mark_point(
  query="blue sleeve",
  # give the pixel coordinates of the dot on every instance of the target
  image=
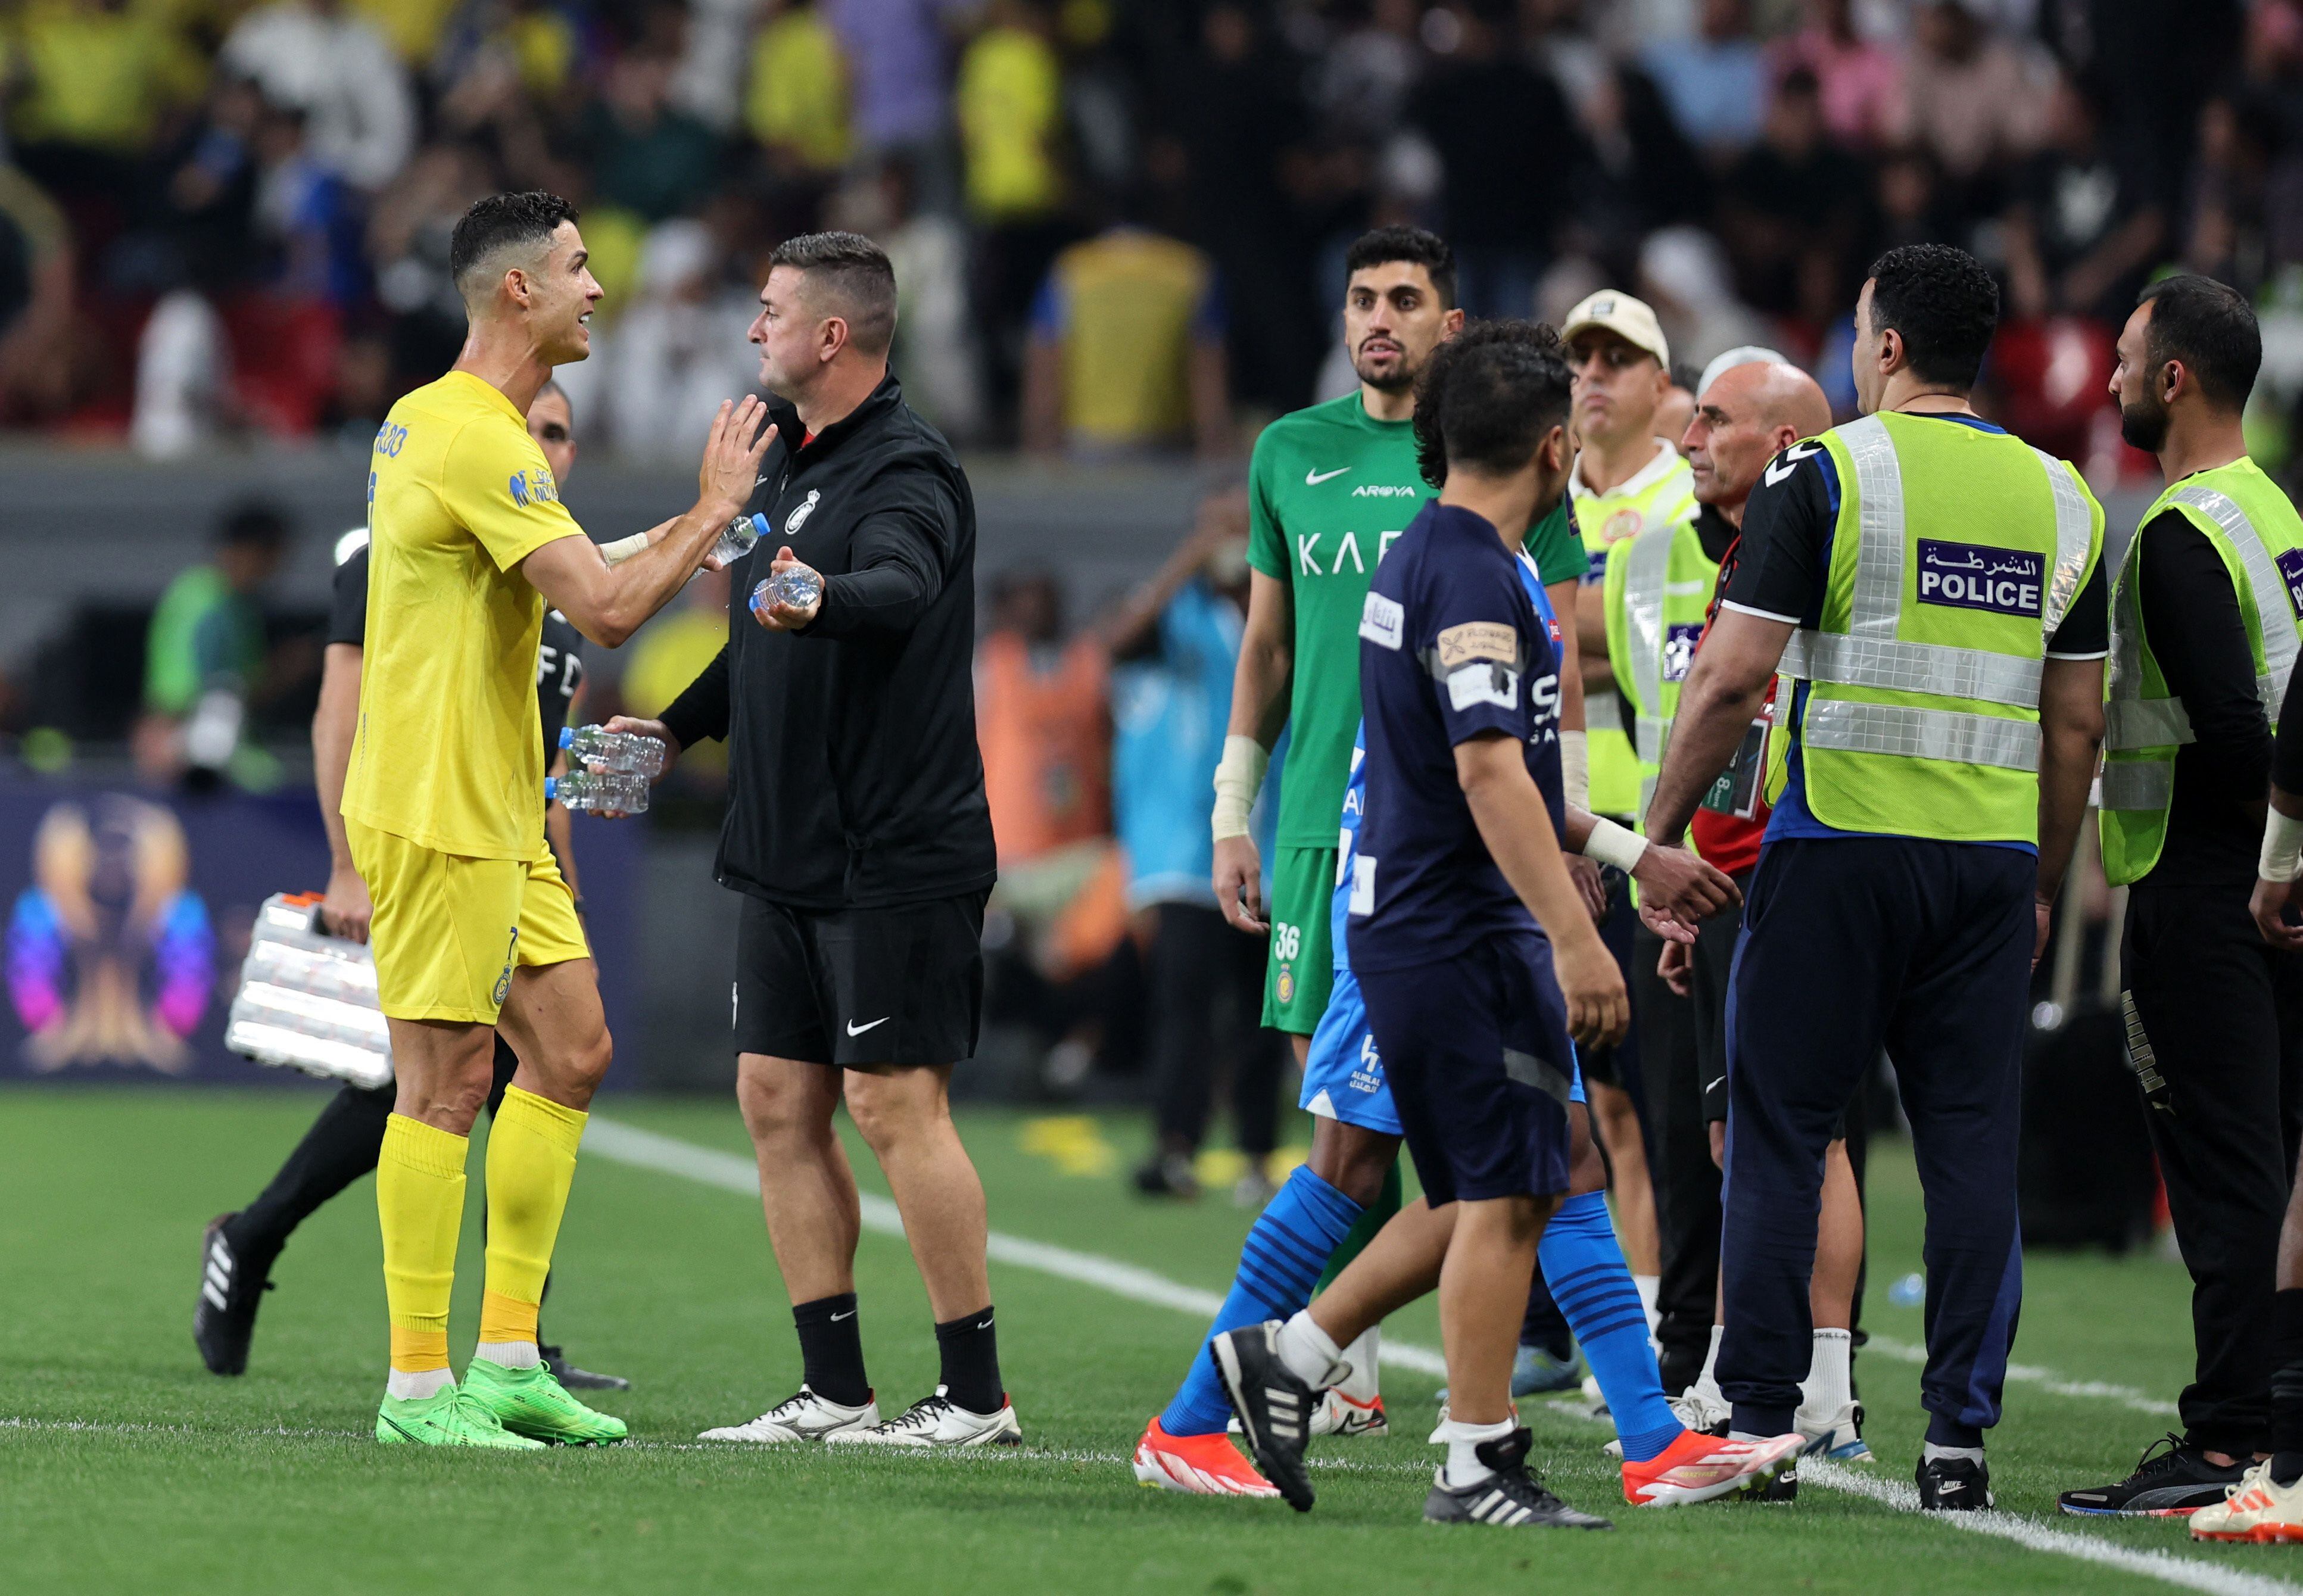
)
(1212, 319)
(1472, 632)
(1052, 308)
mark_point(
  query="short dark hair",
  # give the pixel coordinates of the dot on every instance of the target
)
(1414, 245)
(858, 274)
(1945, 306)
(1487, 397)
(2211, 328)
(501, 222)
(255, 524)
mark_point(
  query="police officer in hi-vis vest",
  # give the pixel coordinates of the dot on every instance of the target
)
(2203, 638)
(1930, 588)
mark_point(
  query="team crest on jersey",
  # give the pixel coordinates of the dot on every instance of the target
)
(798, 516)
(503, 982)
(1284, 988)
(1623, 524)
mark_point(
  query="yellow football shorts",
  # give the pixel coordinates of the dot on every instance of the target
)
(449, 930)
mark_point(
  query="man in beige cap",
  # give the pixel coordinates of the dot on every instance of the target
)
(1626, 480)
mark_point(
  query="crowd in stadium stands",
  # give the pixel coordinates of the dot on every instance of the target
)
(1118, 223)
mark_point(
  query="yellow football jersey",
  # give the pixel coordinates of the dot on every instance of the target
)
(447, 754)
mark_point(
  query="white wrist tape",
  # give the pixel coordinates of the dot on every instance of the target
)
(1239, 777)
(1575, 768)
(2283, 849)
(623, 548)
(1612, 844)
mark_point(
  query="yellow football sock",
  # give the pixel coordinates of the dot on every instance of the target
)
(419, 1202)
(531, 1163)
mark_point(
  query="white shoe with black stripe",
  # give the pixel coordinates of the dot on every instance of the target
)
(937, 1420)
(801, 1417)
(1508, 1498)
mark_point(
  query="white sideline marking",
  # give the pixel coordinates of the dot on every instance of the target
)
(2039, 1537)
(2047, 1379)
(629, 1144)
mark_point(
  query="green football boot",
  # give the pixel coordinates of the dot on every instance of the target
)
(449, 1417)
(532, 1402)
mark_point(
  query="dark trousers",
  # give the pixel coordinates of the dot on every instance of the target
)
(1206, 1001)
(1679, 1040)
(342, 1145)
(2215, 1036)
(1853, 944)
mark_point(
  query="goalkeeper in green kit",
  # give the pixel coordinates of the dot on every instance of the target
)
(1329, 489)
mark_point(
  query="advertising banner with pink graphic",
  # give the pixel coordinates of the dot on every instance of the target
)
(127, 915)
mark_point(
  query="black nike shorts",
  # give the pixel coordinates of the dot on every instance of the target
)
(859, 986)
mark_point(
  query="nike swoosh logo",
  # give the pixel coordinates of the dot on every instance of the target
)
(1314, 478)
(856, 1030)
(836, 1318)
(1789, 462)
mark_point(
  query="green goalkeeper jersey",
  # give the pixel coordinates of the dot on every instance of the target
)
(1328, 490)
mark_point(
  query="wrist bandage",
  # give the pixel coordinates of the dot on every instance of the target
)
(1575, 768)
(623, 548)
(2283, 849)
(1612, 844)
(1239, 777)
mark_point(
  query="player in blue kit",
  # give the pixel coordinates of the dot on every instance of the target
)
(1457, 872)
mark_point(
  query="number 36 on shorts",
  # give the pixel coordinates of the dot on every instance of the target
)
(1286, 941)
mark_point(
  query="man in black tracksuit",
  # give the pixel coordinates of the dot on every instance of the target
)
(858, 833)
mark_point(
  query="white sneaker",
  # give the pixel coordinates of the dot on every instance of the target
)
(801, 1417)
(1695, 1409)
(1345, 1415)
(1839, 1437)
(937, 1421)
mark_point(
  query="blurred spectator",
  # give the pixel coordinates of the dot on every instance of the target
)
(1716, 82)
(1909, 203)
(649, 156)
(36, 301)
(935, 355)
(672, 357)
(97, 76)
(2246, 195)
(1792, 211)
(1176, 644)
(1010, 105)
(796, 106)
(898, 50)
(204, 658)
(196, 221)
(1859, 80)
(1127, 349)
(183, 378)
(1972, 97)
(1504, 137)
(307, 217)
(317, 56)
(1644, 175)
(1362, 81)
(407, 239)
(2086, 223)
(1684, 275)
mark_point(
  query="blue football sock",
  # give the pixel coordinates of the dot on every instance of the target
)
(1304, 1221)
(1583, 1265)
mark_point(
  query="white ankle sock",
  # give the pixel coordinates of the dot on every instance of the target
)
(1934, 1453)
(1826, 1390)
(510, 1354)
(1309, 1351)
(402, 1387)
(1360, 1385)
(1649, 1286)
(1706, 1384)
(1464, 1465)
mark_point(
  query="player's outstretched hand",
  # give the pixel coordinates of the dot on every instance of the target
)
(1598, 1011)
(2269, 904)
(345, 910)
(779, 616)
(1239, 884)
(1590, 885)
(654, 729)
(1679, 891)
(739, 439)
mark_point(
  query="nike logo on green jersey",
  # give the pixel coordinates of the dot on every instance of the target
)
(1314, 478)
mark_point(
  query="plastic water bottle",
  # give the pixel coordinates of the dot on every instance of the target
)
(615, 792)
(737, 536)
(628, 752)
(799, 587)
(1910, 1292)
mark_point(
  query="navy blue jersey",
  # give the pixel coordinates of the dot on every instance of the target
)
(1450, 649)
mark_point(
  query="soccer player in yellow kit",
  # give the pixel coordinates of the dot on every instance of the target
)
(444, 807)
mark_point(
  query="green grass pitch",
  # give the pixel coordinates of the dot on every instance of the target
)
(124, 1466)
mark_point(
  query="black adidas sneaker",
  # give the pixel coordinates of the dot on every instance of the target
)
(1509, 1498)
(224, 1320)
(1274, 1404)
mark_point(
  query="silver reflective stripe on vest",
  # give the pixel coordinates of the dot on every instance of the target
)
(2074, 530)
(2144, 723)
(2145, 784)
(1936, 668)
(1646, 575)
(1601, 712)
(2126, 675)
(1878, 599)
(2274, 613)
(1650, 737)
(1913, 733)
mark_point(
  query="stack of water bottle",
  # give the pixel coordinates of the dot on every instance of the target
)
(308, 1000)
(799, 586)
(611, 771)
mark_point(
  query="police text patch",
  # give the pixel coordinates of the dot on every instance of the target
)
(1969, 575)
(2290, 567)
